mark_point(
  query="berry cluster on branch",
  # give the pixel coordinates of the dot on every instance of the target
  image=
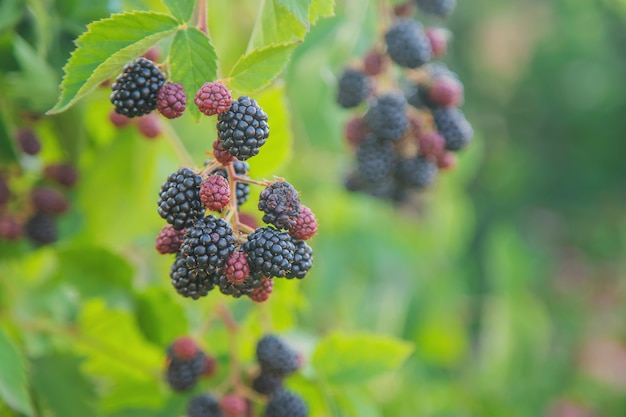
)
(411, 125)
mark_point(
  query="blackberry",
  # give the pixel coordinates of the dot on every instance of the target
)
(281, 204)
(417, 172)
(431, 144)
(242, 188)
(63, 174)
(207, 244)
(454, 127)
(10, 228)
(188, 282)
(119, 120)
(134, 92)
(275, 357)
(28, 141)
(302, 260)
(375, 63)
(306, 224)
(286, 404)
(447, 161)
(267, 384)
(172, 100)
(149, 126)
(233, 405)
(204, 405)
(215, 192)
(355, 131)
(439, 8)
(153, 54)
(179, 199)
(446, 91)
(238, 290)
(209, 367)
(48, 201)
(213, 98)
(221, 155)
(183, 348)
(439, 69)
(438, 38)
(5, 192)
(262, 293)
(270, 252)
(418, 97)
(41, 229)
(407, 44)
(169, 240)
(375, 160)
(236, 269)
(352, 88)
(386, 117)
(404, 9)
(243, 129)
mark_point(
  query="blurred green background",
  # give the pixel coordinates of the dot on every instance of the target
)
(507, 277)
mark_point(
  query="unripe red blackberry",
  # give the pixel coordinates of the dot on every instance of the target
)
(417, 172)
(41, 229)
(446, 92)
(407, 44)
(169, 240)
(286, 404)
(302, 260)
(221, 155)
(431, 145)
(405, 9)
(353, 87)
(248, 220)
(236, 269)
(438, 38)
(49, 201)
(454, 127)
(439, 8)
(179, 199)
(276, 357)
(270, 252)
(28, 141)
(306, 224)
(172, 100)
(262, 293)
(215, 192)
(10, 229)
(233, 405)
(280, 203)
(355, 131)
(63, 174)
(447, 161)
(375, 63)
(153, 54)
(209, 366)
(213, 98)
(119, 120)
(267, 383)
(242, 189)
(183, 348)
(243, 129)
(149, 126)
(135, 90)
(386, 117)
(204, 405)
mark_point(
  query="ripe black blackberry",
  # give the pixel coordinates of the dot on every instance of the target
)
(182, 374)
(207, 244)
(270, 252)
(286, 404)
(134, 92)
(189, 282)
(179, 199)
(267, 384)
(242, 189)
(407, 44)
(418, 97)
(41, 229)
(386, 117)
(454, 127)
(204, 405)
(302, 260)
(439, 8)
(281, 204)
(352, 88)
(375, 160)
(275, 357)
(418, 172)
(243, 129)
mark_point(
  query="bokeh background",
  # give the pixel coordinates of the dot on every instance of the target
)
(507, 277)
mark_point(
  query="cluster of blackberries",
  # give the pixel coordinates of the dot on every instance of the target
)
(186, 363)
(30, 211)
(404, 135)
(210, 254)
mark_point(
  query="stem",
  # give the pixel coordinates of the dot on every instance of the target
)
(210, 168)
(203, 12)
(250, 181)
(233, 196)
(177, 144)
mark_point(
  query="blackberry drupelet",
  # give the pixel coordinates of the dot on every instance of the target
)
(275, 357)
(188, 282)
(243, 129)
(454, 127)
(439, 8)
(306, 224)
(207, 244)
(417, 172)
(204, 405)
(213, 98)
(281, 204)
(302, 260)
(352, 88)
(270, 252)
(134, 92)
(386, 117)
(179, 199)
(172, 100)
(267, 384)
(407, 44)
(262, 293)
(375, 160)
(286, 404)
(169, 240)
(41, 229)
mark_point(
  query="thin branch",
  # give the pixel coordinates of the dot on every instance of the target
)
(177, 144)
(203, 12)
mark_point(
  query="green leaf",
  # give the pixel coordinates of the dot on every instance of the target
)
(7, 146)
(350, 359)
(321, 8)
(260, 67)
(276, 24)
(107, 45)
(193, 61)
(181, 9)
(48, 371)
(10, 13)
(160, 318)
(13, 382)
(299, 8)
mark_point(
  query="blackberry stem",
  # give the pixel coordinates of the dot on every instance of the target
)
(232, 328)
(203, 11)
(177, 144)
(232, 176)
(250, 181)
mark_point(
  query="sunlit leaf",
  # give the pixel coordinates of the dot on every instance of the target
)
(13, 382)
(181, 9)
